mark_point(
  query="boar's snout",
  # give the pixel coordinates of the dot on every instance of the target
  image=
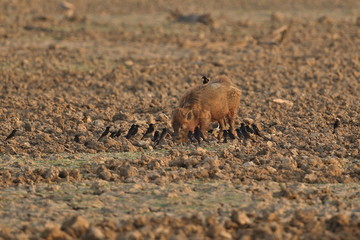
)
(182, 122)
(175, 134)
(176, 137)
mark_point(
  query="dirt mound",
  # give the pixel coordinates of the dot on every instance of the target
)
(239, 225)
(224, 163)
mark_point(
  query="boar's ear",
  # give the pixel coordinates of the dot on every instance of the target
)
(182, 112)
(189, 115)
(178, 112)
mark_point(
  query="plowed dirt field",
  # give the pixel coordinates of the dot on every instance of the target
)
(70, 69)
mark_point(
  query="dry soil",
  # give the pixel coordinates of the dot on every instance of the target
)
(68, 73)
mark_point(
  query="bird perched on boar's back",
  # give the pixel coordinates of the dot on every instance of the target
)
(216, 101)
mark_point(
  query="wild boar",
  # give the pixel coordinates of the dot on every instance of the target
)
(217, 100)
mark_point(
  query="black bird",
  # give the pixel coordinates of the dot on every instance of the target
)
(243, 131)
(107, 130)
(162, 135)
(11, 135)
(149, 131)
(205, 79)
(215, 127)
(190, 136)
(156, 136)
(77, 138)
(132, 131)
(198, 135)
(238, 133)
(112, 134)
(249, 130)
(118, 133)
(225, 135)
(231, 135)
(256, 129)
(336, 125)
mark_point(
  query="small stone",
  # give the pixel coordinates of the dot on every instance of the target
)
(6, 175)
(270, 217)
(269, 144)
(133, 235)
(86, 119)
(128, 63)
(45, 137)
(26, 144)
(76, 226)
(305, 215)
(28, 127)
(249, 164)
(338, 222)
(94, 233)
(174, 153)
(143, 143)
(289, 163)
(110, 142)
(311, 177)
(211, 162)
(248, 121)
(53, 188)
(240, 217)
(283, 101)
(217, 231)
(277, 17)
(68, 8)
(81, 128)
(75, 173)
(54, 232)
(128, 171)
(104, 173)
(325, 19)
(128, 146)
(98, 123)
(120, 116)
(271, 169)
(51, 173)
(199, 151)
(98, 188)
(172, 195)
(335, 170)
(162, 117)
(93, 144)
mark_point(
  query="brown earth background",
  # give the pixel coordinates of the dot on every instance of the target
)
(73, 72)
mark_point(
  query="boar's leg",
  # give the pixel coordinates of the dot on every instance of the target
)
(222, 124)
(231, 118)
(205, 122)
